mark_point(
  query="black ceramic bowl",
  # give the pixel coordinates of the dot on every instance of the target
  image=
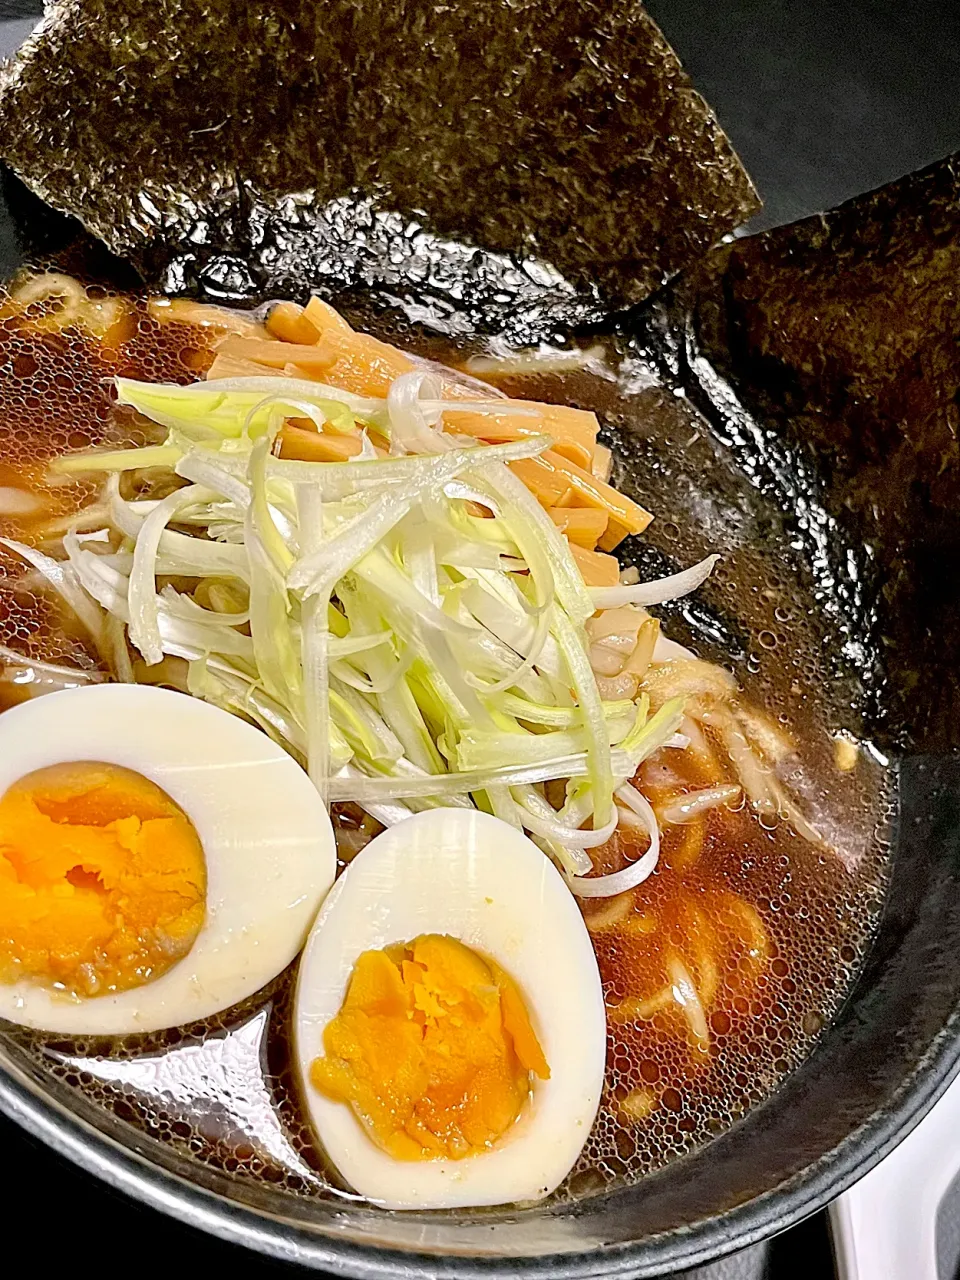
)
(883, 1061)
(887, 1056)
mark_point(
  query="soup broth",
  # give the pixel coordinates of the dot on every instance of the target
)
(719, 971)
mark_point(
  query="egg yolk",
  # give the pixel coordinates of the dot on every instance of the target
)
(102, 879)
(433, 1049)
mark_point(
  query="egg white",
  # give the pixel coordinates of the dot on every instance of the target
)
(469, 875)
(267, 841)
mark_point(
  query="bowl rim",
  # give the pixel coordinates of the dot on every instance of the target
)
(25, 1102)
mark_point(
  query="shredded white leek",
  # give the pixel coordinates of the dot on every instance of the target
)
(635, 872)
(658, 592)
(407, 650)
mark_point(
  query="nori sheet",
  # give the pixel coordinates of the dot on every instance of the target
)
(515, 164)
(825, 354)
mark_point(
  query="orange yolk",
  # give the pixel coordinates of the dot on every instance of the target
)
(433, 1049)
(102, 879)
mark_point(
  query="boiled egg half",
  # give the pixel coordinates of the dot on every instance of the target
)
(160, 860)
(450, 1030)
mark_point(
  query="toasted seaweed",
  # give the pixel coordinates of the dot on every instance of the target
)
(514, 164)
(825, 355)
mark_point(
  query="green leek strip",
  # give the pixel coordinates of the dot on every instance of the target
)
(573, 860)
(273, 542)
(277, 649)
(504, 807)
(399, 599)
(179, 636)
(142, 598)
(183, 556)
(180, 605)
(317, 572)
(315, 647)
(397, 704)
(351, 644)
(341, 478)
(479, 749)
(178, 554)
(203, 468)
(558, 717)
(421, 624)
(226, 403)
(337, 416)
(371, 739)
(278, 661)
(530, 527)
(494, 600)
(458, 783)
(658, 730)
(158, 455)
(215, 682)
(573, 648)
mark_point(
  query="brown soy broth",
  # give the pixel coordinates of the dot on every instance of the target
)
(776, 926)
(55, 396)
(771, 928)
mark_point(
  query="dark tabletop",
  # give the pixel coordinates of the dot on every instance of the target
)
(823, 99)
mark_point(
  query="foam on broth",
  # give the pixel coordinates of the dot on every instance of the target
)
(772, 927)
